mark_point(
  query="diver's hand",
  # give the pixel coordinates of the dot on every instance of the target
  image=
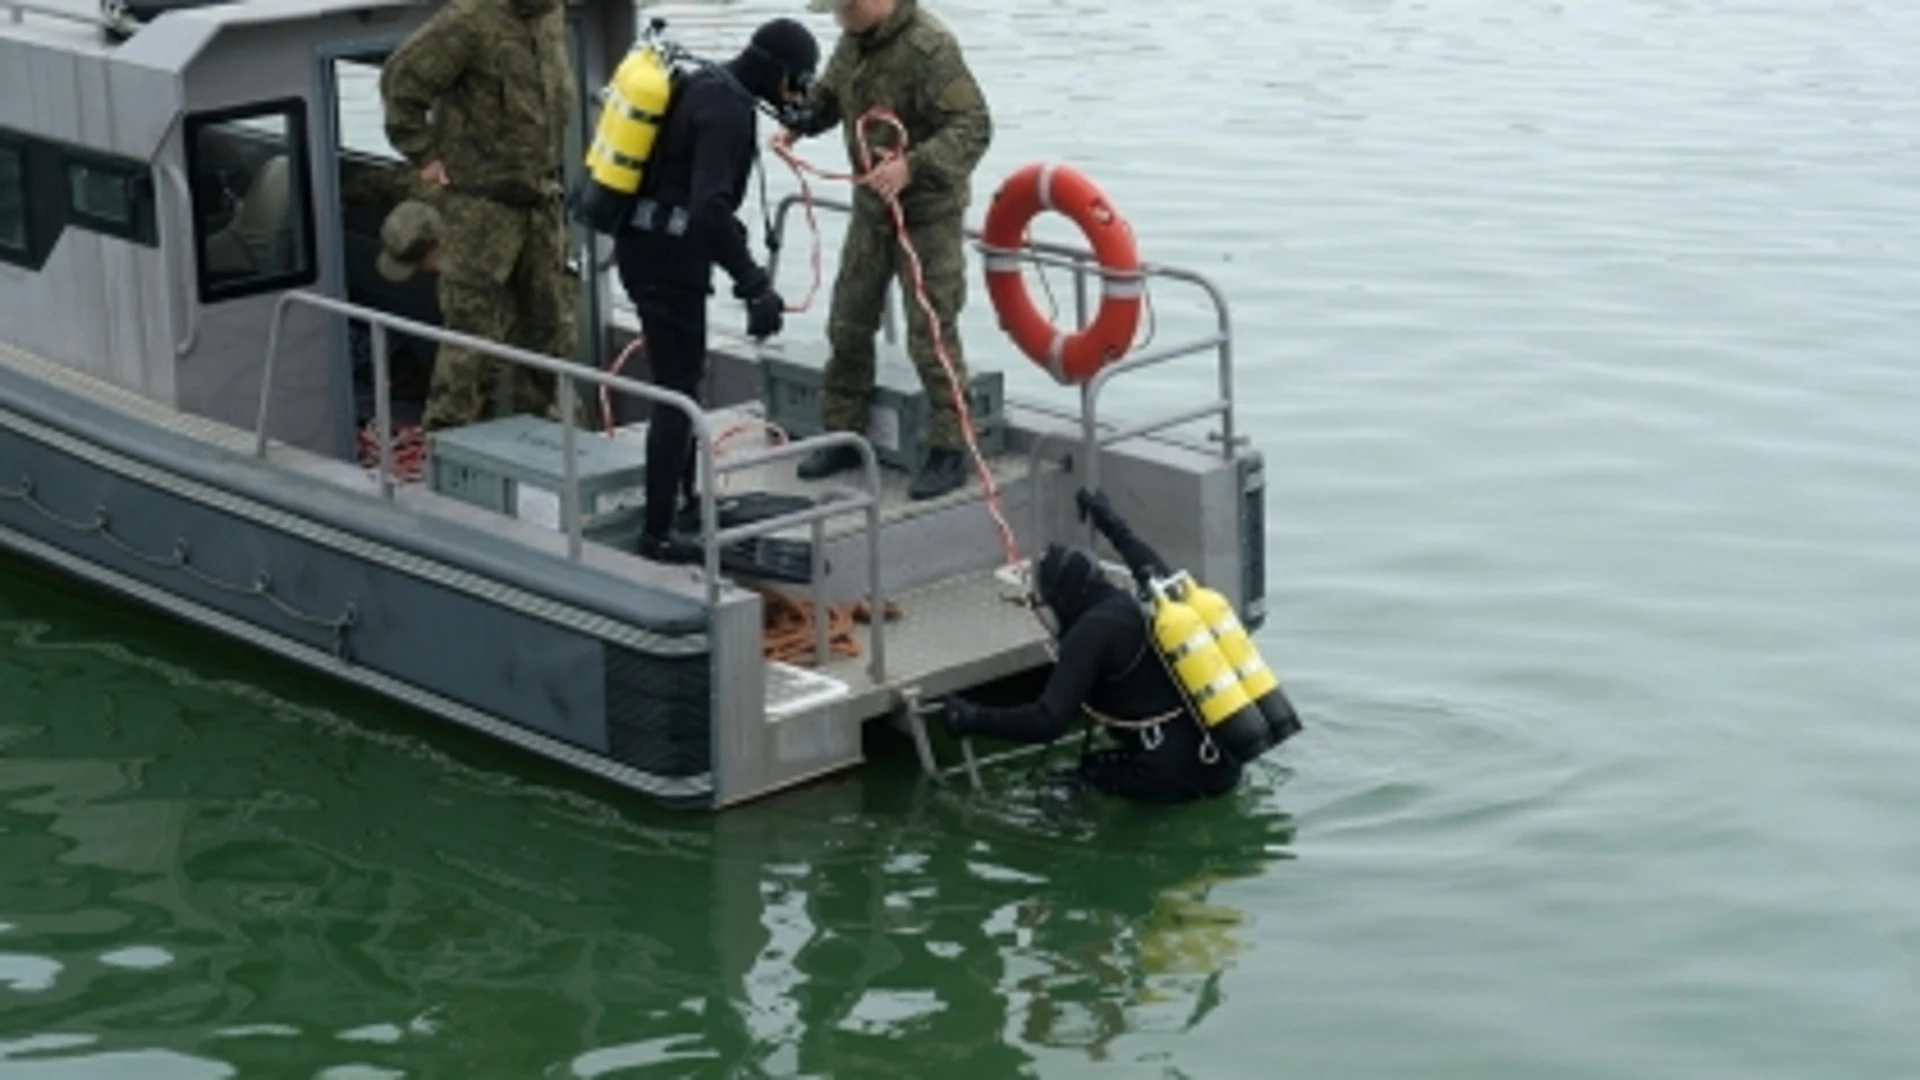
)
(959, 715)
(1094, 504)
(764, 314)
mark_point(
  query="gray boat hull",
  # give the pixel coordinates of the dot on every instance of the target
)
(606, 674)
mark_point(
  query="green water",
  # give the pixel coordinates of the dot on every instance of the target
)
(197, 863)
(1579, 337)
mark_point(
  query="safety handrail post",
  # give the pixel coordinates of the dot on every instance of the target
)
(876, 597)
(382, 408)
(569, 466)
(280, 307)
(1090, 445)
(1079, 294)
(817, 570)
(709, 518)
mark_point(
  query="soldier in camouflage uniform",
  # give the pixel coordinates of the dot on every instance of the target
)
(896, 55)
(386, 186)
(412, 239)
(478, 101)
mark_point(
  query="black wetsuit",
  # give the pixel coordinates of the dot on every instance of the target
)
(1107, 662)
(686, 225)
(701, 170)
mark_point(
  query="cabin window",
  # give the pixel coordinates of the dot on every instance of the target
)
(251, 179)
(110, 196)
(373, 176)
(13, 202)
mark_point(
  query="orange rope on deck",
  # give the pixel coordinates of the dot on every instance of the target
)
(789, 624)
(409, 448)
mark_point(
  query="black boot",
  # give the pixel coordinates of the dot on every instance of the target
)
(674, 548)
(828, 460)
(945, 470)
(686, 519)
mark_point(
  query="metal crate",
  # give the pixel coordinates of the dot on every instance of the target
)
(897, 417)
(513, 466)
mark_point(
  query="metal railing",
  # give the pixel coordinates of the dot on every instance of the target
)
(1085, 266)
(710, 465)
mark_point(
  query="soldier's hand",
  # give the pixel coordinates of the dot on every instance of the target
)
(434, 174)
(889, 178)
(783, 140)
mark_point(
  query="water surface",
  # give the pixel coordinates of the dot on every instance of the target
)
(1577, 336)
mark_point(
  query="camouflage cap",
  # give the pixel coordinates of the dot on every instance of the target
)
(828, 5)
(410, 232)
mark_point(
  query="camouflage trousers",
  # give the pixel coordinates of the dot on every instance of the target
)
(870, 258)
(503, 278)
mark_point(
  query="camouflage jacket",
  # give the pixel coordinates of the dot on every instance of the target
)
(486, 90)
(912, 65)
(385, 186)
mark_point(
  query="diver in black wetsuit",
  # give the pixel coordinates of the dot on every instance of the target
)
(682, 229)
(1109, 667)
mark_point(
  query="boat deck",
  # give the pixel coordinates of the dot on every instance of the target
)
(959, 622)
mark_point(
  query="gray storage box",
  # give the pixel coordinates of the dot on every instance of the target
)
(513, 466)
(897, 417)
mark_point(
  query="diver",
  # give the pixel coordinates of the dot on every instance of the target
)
(683, 228)
(1109, 667)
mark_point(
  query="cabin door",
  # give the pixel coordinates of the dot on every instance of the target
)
(362, 178)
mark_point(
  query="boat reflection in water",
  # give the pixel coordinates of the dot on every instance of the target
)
(212, 878)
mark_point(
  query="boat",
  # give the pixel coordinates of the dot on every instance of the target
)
(195, 351)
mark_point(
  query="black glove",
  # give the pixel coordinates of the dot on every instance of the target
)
(751, 283)
(765, 315)
(765, 307)
(959, 715)
(1140, 559)
(1094, 504)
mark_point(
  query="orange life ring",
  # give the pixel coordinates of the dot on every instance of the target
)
(1070, 358)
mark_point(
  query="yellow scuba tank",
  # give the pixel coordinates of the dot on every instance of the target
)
(630, 123)
(1262, 687)
(1202, 671)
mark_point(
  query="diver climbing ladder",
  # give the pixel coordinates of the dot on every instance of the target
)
(914, 713)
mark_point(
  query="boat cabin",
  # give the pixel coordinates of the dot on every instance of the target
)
(163, 182)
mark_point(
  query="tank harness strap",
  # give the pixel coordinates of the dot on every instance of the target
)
(1135, 725)
(1150, 733)
(635, 113)
(649, 215)
(623, 160)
